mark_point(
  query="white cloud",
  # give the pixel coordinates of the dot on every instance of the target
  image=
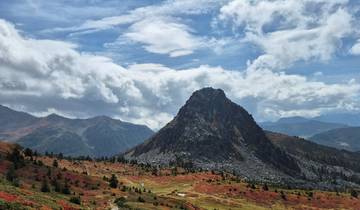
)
(355, 50)
(44, 75)
(164, 36)
(167, 8)
(66, 12)
(290, 31)
(157, 27)
(343, 144)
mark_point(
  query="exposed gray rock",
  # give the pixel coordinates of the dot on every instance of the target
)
(213, 133)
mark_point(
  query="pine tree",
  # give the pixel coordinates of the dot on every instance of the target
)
(66, 189)
(141, 200)
(49, 173)
(55, 163)
(113, 182)
(155, 171)
(354, 193)
(56, 184)
(45, 186)
(10, 175)
(16, 157)
(120, 202)
(76, 200)
(28, 152)
(265, 187)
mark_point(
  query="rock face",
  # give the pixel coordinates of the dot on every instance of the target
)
(98, 136)
(213, 132)
(321, 166)
(302, 148)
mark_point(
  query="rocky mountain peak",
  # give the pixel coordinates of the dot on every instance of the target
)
(206, 100)
(212, 105)
(210, 128)
(207, 96)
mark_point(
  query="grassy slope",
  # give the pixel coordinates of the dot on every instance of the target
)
(202, 190)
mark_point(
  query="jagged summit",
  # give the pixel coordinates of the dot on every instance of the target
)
(210, 103)
(212, 130)
(207, 96)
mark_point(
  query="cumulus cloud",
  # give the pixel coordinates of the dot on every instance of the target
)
(44, 75)
(290, 31)
(355, 50)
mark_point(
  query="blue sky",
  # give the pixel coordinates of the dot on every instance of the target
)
(139, 60)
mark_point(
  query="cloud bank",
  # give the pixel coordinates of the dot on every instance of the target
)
(292, 30)
(44, 76)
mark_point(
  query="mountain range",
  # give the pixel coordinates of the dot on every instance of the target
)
(351, 119)
(98, 136)
(299, 126)
(211, 132)
(341, 138)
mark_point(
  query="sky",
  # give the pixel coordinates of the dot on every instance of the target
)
(139, 61)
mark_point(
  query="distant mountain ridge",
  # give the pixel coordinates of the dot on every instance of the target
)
(97, 136)
(11, 120)
(299, 126)
(350, 119)
(341, 138)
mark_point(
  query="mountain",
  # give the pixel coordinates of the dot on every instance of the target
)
(310, 153)
(341, 138)
(98, 136)
(322, 167)
(289, 120)
(351, 119)
(299, 126)
(213, 132)
(11, 120)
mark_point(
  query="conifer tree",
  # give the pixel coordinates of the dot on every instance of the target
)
(113, 182)
(45, 186)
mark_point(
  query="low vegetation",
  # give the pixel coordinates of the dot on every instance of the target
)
(30, 181)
